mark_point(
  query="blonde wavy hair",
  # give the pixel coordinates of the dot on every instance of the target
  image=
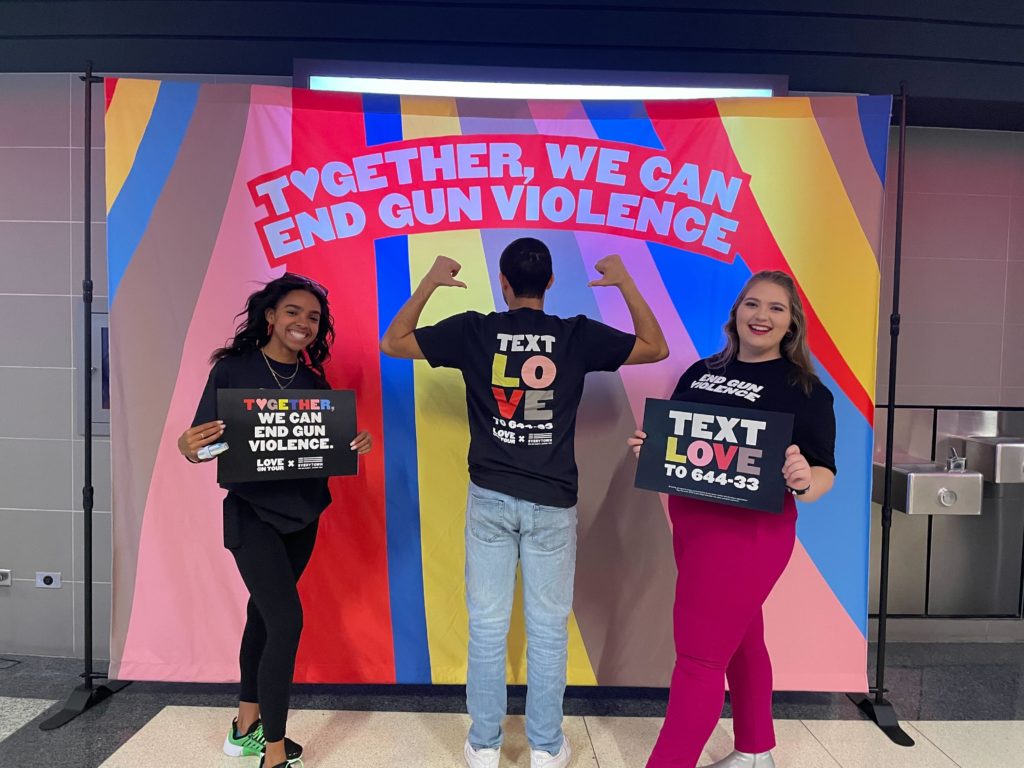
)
(794, 344)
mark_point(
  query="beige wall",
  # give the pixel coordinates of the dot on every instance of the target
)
(962, 277)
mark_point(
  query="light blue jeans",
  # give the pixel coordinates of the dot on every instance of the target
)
(502, 531)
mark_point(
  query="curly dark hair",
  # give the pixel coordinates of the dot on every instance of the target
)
(252, 332)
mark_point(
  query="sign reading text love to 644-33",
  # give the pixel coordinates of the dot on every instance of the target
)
(286, 435)
(715, 453)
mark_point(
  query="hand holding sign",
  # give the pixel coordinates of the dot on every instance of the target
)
(636, 442)
(362, 444)
(197, 437)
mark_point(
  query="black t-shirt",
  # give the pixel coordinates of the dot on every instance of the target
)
(524, 373)
(768, 386)
(288, 505)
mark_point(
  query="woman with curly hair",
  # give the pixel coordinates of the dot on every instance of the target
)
(270, 526)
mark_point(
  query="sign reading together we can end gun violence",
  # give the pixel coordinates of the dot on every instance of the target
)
(305, 434)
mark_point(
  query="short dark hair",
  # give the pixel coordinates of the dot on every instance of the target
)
(526, 264)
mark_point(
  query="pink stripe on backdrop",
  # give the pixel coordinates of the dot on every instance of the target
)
(655, 379)
(562, 118)
(189, 603)
(814, 645)
(641, 381)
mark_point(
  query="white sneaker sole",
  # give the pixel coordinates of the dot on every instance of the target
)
(568, 757)
(232, 750)
(467, 753)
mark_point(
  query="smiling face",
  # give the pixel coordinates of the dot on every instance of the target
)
(762, 319)
(296, 321)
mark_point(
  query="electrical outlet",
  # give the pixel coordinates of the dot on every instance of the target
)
(5, 577)
(48, 579)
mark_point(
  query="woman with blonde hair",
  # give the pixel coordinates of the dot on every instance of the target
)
(730, 558)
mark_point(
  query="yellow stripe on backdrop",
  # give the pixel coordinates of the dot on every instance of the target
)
(808, 211)
(125, 124)
(442, 434)
(424, 117)
(442, 441)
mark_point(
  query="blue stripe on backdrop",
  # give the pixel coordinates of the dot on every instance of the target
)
(872, 110)
(625, 121)
(401, 481)
(382, 116)
(157, 153)
(383, 122)
(838, 524)
(702, 290)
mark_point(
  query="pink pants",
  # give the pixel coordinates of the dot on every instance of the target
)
(728, 560)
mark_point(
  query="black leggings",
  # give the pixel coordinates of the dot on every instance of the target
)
(271, 563)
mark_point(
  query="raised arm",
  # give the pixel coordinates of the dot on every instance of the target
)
(400, 338)
(650, 344)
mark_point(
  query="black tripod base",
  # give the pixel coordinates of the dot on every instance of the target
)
(884, 716)
(82, 698)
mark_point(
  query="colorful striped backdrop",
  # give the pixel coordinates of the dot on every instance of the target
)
(383, 595)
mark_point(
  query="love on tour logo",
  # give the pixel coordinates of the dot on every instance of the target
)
(715, 453)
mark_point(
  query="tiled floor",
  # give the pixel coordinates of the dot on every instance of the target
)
(434, 740)
(964, 704)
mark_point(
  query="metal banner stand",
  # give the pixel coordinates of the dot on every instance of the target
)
(877, 707)
(86, 695)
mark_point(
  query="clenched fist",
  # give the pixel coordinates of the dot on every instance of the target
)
(796, 470)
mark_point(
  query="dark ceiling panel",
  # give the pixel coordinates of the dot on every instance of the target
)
(947, 50)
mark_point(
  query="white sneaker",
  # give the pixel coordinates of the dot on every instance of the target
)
(481, 758)
(745, 760)
(541, 759)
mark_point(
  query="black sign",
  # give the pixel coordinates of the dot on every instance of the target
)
(286, 434)
(715, 453)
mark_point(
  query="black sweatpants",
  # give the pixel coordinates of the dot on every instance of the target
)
(271, 563)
